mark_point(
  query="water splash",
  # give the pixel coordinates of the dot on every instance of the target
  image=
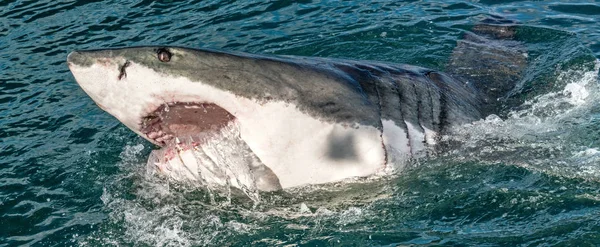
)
(152, 210)
(546, 133)
(217, 161)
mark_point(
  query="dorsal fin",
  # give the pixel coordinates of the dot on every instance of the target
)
(490, 60)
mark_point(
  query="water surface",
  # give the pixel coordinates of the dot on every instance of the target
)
(70, 174)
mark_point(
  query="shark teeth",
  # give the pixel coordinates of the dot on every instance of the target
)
(153, 130)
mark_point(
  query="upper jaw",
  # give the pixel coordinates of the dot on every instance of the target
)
(182, 119)
(150, 128)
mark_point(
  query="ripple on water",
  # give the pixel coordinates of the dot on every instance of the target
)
(66, 176)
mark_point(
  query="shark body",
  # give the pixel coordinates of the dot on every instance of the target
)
(272, 122)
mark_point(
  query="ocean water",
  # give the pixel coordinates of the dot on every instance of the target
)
(72, 175)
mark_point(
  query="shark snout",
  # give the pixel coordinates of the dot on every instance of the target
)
(71, 57)
(90, 57)
(78, 58)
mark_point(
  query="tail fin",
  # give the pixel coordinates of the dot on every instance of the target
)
(490, 60)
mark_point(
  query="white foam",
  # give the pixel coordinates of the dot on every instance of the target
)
(588, 152)
(543, 134)
(577, 92)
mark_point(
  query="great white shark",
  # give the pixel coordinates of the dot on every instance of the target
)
(273, 122)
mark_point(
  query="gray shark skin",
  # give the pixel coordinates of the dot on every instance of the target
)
(301, 120)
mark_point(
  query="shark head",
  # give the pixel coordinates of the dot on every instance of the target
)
(298, 121)
(148, 90)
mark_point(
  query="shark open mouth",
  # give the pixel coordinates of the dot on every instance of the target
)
(201, 143)
(184, 119)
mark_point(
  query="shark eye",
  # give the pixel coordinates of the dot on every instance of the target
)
(163, 55)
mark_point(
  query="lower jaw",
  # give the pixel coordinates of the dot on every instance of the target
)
(214, 158)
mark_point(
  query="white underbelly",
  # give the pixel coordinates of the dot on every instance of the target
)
(301, 149)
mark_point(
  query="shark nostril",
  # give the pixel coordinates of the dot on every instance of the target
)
(122, 72)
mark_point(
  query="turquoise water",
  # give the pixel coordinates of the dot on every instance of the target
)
(72, 175)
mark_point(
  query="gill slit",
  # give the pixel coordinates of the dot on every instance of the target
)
(385, 153)
(419, 112)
